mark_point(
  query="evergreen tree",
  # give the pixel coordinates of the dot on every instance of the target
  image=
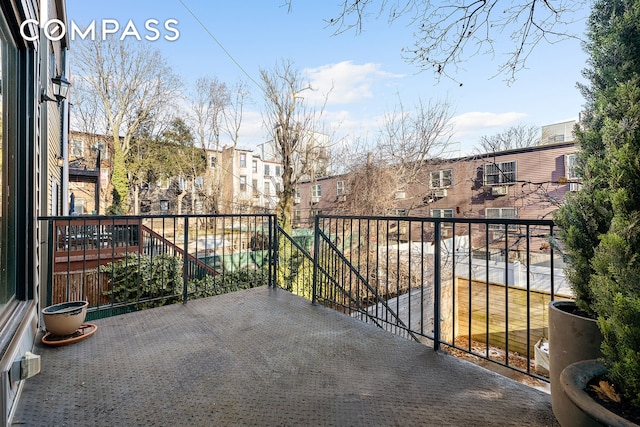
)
(601, 222)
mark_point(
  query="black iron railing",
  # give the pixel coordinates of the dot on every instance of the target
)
(125, 263)
(476, 286)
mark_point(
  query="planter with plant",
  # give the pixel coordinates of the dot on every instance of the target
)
(600, 223)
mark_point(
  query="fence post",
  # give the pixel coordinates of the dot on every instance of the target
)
(437, 283)
(273, 250)
(185, 262)
(51, 247)
(316, 250)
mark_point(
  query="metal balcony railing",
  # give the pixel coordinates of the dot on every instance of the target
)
(471, 286)
(125, 263)
(479, 287)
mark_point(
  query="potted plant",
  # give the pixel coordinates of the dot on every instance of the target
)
(600, 223)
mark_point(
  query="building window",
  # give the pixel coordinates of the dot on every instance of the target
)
(254, 166)
(164, 206)
(243, 160)
(163, 183)
(145, 206)
(500, 173)
(243, 183)
(76, 148)
(339, 188)
(571, 166)
(297, 216)
(298, 192)
(254, 187)
(267, 189)
(267, 171)
(199, 183)
(278, 172)
(212, 161)
(316, 191)
(501, 213)
(441, 179)
(443, 213)
(183, 185)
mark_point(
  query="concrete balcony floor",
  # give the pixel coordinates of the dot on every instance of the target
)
(264, 357)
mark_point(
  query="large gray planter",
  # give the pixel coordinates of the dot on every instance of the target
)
(573, 381)
(572, 338)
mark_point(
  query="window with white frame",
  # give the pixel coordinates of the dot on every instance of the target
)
(316, 191)
(297, 216)
(278, 171)
(164, 206)
(212, 161)
(254, 166)
(443, 213)
(442, 178)
(267, 170)
(501, 213)
(500, 173)
(339, 188)
(76, 148)
(298, 192)
(162, 183)
(243, 183)
(243, 160)
(254, 187)
(570, 166)
(183, 184)
(199, 183)
(267, 188)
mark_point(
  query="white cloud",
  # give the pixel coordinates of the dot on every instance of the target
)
(345, 82)
(474, 123)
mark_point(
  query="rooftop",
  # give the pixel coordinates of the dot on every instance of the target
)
(264, 357)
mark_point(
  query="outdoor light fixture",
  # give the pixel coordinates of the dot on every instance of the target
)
(60, 89)
(60, 161)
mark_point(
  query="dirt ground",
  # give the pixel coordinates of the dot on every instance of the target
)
(499, 355)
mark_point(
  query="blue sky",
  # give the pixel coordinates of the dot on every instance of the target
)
(367, 69)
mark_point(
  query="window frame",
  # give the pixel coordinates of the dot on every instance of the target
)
(499, 173)
(440, 179)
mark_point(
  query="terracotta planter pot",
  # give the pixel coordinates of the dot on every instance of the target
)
(66, 318)
(572, 338)
(573, 381)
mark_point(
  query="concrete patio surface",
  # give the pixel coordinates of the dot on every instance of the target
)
(264, 357)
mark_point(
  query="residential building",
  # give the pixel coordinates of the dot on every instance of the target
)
(526, 183)
(33, 123)
(234, 181)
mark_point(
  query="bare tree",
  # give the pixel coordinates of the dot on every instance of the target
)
(449, 32)
(518, 136)
(408, 141)
(129, 83)
(292, 124)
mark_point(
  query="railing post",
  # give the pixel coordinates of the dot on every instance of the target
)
(51, 247)
(437, 283)
(316, 255)
(273, 251)
(185, 262)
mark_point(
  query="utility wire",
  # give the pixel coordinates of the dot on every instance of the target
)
(204, 27)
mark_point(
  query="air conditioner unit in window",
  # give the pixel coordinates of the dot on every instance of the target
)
(315, 199)
(440, 193)
(342, 198)
(296, 200)
(574, 186)
(500, 191)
